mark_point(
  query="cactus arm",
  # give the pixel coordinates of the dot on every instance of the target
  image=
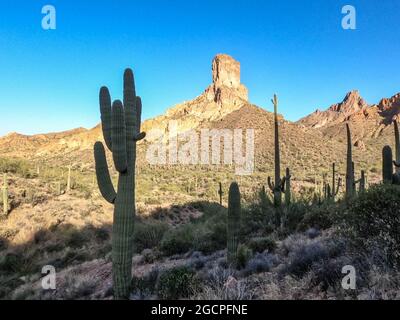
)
(103, 176)
(105, 110)
(139, 135)
(282, 186)
(118, 137)
(336, 192)
(397, 164)
(271, 185)
(130, 102)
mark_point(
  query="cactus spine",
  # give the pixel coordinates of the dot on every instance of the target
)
(233, 227)
(287, 190)
(121, 131)
(5, 195)
(278, 186)
(350, 182)
(220, 193)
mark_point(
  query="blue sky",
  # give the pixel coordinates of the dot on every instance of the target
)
(49, 80)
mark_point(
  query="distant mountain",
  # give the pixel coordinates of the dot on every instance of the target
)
(309, 145)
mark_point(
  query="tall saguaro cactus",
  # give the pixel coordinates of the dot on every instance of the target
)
(350, 183)
(397, 147)
(335, 188)
(278, 186)
(233, 229)
(288, 194)
(121, 131)
(5, 195)
(220, 193)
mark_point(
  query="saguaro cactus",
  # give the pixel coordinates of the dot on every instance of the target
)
(278, 186)
(5, 195)
(220, 193)
(288, 194)
(387, 164)
(335, 188)
(397, 147)
(361, 181)
(69, 179)
(233, 228)
(350, 183)
(121, 131)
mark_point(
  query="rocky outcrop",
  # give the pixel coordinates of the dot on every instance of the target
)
(352, 104)
(225, 95)
(226, 88)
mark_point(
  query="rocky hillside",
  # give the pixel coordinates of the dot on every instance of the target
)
(308, 146)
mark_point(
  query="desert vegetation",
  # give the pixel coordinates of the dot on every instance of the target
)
(200, 236)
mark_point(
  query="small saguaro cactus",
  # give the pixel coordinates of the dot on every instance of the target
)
(220, 193)
(233, 226)
(387, 164)
(361, 182)
(287, 190)
(350, 183)
(121, 131)
(58, 188)
(5, 195)
(278, 186)
(397, 147)
(69, 179)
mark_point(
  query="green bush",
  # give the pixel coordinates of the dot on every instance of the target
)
(373, 220)
(210, 236)
(178, 240)
(321, 216)
(261, 244)
(148, 234)
(244, 254)
(176, 283)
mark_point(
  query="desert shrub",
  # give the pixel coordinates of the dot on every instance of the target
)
(292, 215)
(261, 262)
(148, 234)
(261, 244)
(244, 254)
(75, 238)
(102, 234)
(373, 220)
(178, 240)
(305, 255)
(147, 284)
(16, 263)
(176, 283)
(321, 216)
(210, 236)
(312, 233)
(17, 166)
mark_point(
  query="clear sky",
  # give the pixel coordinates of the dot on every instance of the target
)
(49, 79)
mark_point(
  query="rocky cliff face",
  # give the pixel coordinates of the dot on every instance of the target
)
(352, 104)
(225, 95)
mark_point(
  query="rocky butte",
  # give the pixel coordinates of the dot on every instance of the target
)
(224, 95)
